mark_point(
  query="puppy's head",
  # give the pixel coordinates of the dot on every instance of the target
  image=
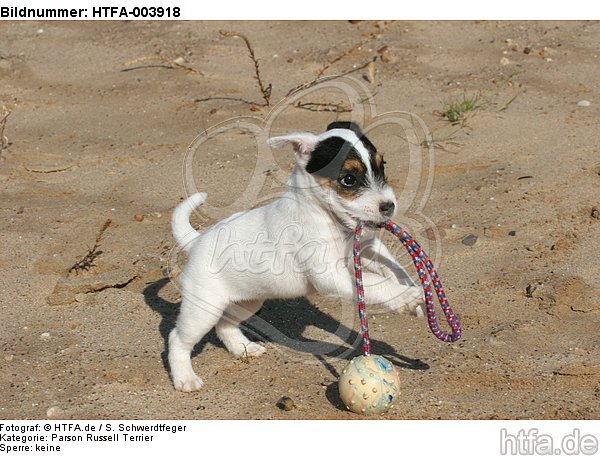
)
(344, 172)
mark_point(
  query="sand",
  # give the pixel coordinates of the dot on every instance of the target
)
(98, 131)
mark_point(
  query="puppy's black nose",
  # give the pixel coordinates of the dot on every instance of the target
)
(386, 208)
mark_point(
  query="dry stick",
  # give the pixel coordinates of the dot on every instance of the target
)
(506, 105)
(87, 261)
(4, 139)
(48, 171)
(338, 58)
(265, 91)
(168, 63)
(241, 100)
(315, 82)
(323, 107)
(349, 51)
(438, 143)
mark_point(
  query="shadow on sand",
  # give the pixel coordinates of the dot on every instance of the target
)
(285, 328)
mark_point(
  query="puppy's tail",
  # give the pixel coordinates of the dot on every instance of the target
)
(183, 232)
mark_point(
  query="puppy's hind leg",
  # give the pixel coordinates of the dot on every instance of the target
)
(194, 321)
(228, 329)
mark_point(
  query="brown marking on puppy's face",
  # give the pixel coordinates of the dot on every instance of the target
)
(379, 161)
(350, 178)
(354, 165)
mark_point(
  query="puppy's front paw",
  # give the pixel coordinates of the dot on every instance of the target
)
(416, 308)
(253, 349)
(188, 385)
(411, 301)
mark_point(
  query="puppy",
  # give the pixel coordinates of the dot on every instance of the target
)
(298, 244)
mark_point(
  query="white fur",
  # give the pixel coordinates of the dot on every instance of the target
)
(298, 244)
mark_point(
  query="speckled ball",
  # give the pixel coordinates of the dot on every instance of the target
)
(369, 385)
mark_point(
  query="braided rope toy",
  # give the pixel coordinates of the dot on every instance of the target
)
(419, 258)
(370, 383)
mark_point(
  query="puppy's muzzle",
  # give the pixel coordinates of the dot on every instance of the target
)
(387, 208)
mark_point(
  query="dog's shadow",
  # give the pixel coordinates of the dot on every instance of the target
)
(284, 322)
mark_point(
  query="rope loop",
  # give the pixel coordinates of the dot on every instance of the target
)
(424, 267)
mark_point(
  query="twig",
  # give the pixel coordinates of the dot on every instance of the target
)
(166, 63)
(265, 91)
(87, 261)
(338, 58)
(439, 143)
(3, 139)
(507, 104)
(241, 100)
(368, 97)
(317, 81)
(244, 357)
(323, 107)
(48, 171)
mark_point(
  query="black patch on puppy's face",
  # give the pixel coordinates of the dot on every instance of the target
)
(340, 164)
(357, 131)
(326, 160)
(329, 156)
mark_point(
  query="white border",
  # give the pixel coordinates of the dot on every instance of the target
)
(349, 9)
(361, 437)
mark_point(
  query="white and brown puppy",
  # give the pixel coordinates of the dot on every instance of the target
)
(298, 244)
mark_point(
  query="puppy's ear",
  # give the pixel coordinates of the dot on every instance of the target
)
(304, 143)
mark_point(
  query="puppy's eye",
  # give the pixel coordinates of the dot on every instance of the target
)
(348, 181)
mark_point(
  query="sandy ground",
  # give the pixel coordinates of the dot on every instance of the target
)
(89, 142)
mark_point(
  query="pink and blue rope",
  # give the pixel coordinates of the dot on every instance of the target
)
(424, 267)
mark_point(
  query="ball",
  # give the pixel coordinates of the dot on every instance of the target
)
(369, 385)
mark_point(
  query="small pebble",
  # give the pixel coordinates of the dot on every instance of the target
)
(53, 412)
(512, 233)
(504, 61)
(9, 357)
(138, 217)
(583, 103)
(385, 54)
(469, 240)
(45, 335)
(595, 212)
(526, 50)
(529, 290)
(285, 403)
(254, 108)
